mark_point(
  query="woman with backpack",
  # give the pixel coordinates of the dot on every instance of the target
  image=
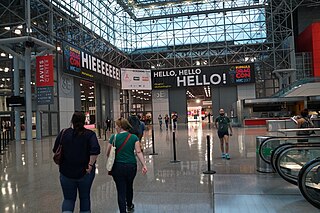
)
(304, 122)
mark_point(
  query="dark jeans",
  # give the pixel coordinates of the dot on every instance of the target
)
(167, 124)
(70, 187)
(123, 175)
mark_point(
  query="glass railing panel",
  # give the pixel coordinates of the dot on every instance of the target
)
(271, 144)
(291, 160)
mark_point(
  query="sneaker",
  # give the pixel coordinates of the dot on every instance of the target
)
(130, 208)
(227, 156)
(223, 155)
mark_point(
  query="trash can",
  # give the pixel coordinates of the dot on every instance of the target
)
(261, 165)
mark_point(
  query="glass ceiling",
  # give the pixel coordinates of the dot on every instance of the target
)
(133, 25)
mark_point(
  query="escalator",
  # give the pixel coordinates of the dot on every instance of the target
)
(296, 162)
(309, 182)
(288, 159)
(269, 144)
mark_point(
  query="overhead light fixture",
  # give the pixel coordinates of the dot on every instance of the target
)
(198, 101)
(17, 31)
(10, 56)
(3, 55)
(7, 28)
(20, 27)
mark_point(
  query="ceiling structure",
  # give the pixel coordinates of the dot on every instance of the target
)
(158, 34)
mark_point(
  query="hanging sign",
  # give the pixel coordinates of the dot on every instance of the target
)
(137, 79)
(85, 65)
(44, 79)
(203, 76)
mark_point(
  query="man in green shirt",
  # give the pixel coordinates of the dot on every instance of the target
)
(222, 123)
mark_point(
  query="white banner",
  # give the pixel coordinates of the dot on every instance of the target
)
(137, 79)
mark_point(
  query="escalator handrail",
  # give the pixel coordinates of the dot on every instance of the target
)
(282, 152)
(267, 140)
(276, 152)
(302, 181)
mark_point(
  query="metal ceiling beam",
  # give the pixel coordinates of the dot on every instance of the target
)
(224, 10)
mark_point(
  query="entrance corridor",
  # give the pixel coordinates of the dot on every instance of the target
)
(30, 179)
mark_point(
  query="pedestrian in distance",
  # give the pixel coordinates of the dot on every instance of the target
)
(108, 123)
(160, 121)
(222, 123)
(80, 149)
(124, 168)
(166, 120)
(174, 120)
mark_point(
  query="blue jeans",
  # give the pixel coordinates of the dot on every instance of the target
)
(70, 187)
(123, 175)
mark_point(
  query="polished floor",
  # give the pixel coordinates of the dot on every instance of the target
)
(30, 183)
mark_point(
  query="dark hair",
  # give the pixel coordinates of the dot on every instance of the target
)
(305, 113)
(78, 121)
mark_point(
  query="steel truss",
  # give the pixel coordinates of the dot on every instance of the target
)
(272, 52)
(201, 33)
(54, 22)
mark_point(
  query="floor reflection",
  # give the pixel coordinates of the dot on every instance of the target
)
(30, 183)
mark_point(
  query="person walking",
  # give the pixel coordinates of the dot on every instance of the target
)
(166, 120)
(108, 123)
(174, 120)
(160, 121)
(134, 122)
(124, 168)
(80, 149)
(222, 123)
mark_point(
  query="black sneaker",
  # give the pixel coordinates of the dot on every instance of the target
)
(130, 208)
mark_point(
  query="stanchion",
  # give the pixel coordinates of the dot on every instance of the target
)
(8, 137)
(209, 171)
(4, 141)
(153, 148)
(174, 148)
(1, 143)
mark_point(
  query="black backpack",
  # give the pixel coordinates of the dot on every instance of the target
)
(135, 125)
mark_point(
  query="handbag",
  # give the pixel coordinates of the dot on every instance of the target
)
(112, 155)
(57, 157)
(113, 152)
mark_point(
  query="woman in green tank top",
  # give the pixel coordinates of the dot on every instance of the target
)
(124, 168)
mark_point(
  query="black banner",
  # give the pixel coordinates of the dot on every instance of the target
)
(203, 76)
(82, 64)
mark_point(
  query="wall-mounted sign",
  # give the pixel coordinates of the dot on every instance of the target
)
(85, 65)
(44, 79)
(203, 76)
(15, 101)
(138, 79)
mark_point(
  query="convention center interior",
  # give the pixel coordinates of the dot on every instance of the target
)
(227, 94)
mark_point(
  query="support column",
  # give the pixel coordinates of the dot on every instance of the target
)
(38, 124)
(115, 108)
(16, 88)
(28, 95)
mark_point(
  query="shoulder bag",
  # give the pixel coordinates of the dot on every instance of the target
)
(57, 157)
(113, 152)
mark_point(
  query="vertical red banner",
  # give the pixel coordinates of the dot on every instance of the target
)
(44, 71)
